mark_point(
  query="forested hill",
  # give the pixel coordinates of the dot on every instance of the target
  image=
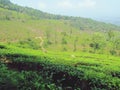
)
(33, 14)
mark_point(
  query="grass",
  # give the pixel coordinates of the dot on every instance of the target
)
(53, 32)
(101, 71)
(17, 27)
(17, 32)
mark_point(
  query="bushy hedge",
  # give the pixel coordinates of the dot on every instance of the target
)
(64, 76)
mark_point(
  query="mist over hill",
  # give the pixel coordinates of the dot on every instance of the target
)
(112, 20)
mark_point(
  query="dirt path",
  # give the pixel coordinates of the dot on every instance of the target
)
(41, 44)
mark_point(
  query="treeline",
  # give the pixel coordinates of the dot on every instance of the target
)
(34, 13)
(26, 13)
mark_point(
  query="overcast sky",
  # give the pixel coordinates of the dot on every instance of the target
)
(83, 8)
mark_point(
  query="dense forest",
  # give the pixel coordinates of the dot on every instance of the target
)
(42, 51)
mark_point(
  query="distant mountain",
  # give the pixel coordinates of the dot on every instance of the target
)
(112, 20)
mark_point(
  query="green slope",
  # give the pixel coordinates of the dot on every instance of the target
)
(41, 51)
(87, 71)
(77, 22)
(21, 25)
(6, 14)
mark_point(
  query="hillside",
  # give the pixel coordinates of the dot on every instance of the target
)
(80, 23)
(21, 25)
(42, 51)
(113, 20)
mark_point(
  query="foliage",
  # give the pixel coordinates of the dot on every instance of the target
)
(90, 60)
(53, 71)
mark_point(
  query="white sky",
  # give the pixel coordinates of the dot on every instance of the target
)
(83, 8)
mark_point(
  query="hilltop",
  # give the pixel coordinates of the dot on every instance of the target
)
(79, 22)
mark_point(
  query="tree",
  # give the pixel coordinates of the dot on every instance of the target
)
(5, 2)
(55, 38)
(75, 44)
(48, 36)
(97, 42)
(111, 34)
(64, 40)
(71, 33)
(116, 43)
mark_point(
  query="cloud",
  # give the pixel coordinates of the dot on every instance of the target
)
(87, 4)
(42, 5)
(66, 4)
(70, 4)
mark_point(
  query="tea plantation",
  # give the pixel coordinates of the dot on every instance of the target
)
(27, 69)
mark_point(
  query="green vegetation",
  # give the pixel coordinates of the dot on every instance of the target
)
(88, 71)
(41, 51)
(58, 36)
(63, 34)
